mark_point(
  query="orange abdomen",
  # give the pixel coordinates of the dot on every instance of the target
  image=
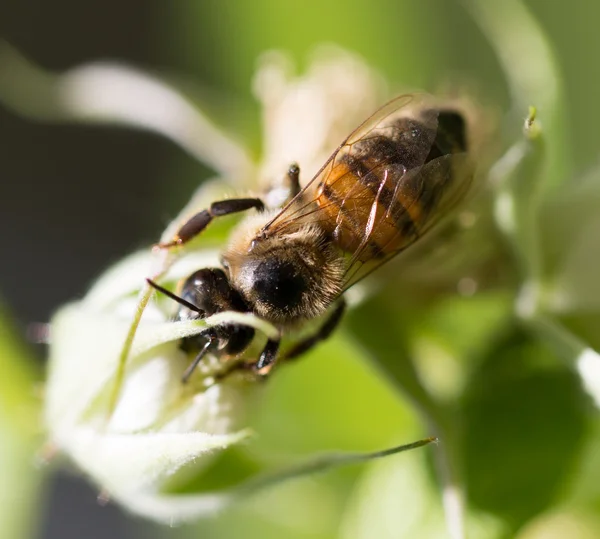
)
(372, 208)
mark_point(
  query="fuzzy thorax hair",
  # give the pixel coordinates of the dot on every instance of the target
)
(288, 276)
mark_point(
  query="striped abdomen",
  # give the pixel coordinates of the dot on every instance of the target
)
(381, 192)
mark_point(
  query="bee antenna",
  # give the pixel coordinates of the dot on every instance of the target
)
(174, 297)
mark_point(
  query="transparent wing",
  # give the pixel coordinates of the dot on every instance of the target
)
(391, 181)
(378, 126)
(436, 189)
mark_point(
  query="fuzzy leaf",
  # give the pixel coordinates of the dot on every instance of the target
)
(128, 463)
(184, 507)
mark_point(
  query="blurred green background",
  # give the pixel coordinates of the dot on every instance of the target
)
(520, 430)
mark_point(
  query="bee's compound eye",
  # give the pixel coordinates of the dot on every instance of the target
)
(207, 289)
(207, 280)
(279, 284)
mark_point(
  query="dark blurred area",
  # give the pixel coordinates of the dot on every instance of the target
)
(73, 199)
(73, 196)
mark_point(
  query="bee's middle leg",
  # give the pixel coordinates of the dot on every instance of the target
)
(198, 222)
(293, 176)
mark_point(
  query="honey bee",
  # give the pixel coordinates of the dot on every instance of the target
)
(387, 184)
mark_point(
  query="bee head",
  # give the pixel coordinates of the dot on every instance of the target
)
(209, 292)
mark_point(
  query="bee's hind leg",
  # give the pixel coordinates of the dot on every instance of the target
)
(322, 334)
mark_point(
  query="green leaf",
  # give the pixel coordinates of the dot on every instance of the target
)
(574, 523)
(452, 335)
(330, 399)
(380, 330)
(584, 487)
(398, 499)
(525, 420)
(395, 499)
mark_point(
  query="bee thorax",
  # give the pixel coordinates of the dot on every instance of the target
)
(287, 278)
